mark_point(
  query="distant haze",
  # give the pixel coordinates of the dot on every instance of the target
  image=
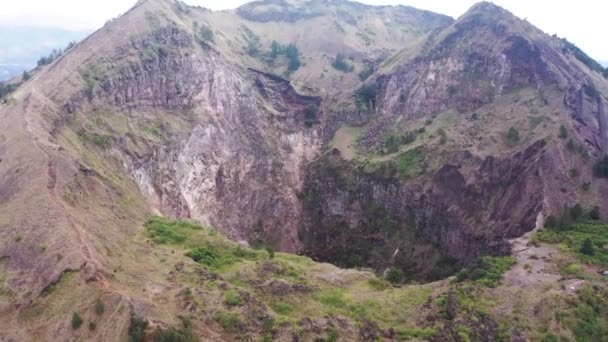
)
(578, 21)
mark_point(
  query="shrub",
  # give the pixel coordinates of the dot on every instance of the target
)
(563, 132)
(486, 270)
(332, 334)
(587, 186)
(587, 247)
(184, 334)
(410, 163)
(230, 321)
(275, 49)
(268, 325)
(205, 255)
(443, 136)
(571, 145)
(282, 308)
(378, 284)
(394, 275)
(551, 222)
(76, 320)
(92, 326)
(136, 329)
(26, 76)
(594, 213)
(232, 298)
(206, 34)
(270, 252)
(310, 115)
(367, 72)
(576, 212)
(341, 64)
(513, 136)
(166, 231)
(99, 307)
(600, 169)
(574, 172)
(366, 95)
(252, 48)
(293, 56)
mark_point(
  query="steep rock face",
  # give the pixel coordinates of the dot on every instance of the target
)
(231, 161)
(468, 208)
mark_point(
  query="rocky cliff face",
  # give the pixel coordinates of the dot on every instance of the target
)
(468, 208)
(468, 202)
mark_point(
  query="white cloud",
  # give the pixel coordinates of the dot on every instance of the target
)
(578, 21)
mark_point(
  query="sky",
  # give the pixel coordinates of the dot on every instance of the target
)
(581, 21)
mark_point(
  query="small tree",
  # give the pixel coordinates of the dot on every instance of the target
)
(394, 275)
(576, 212)
(341, 64)
(26, 76)
(513, 135)
(587, 247)
(206, 34)
(99, 307)
(76, 321)
(594, 213)
(275, 49)
(270, 252)
(551, 222)
(563, 132)
(600, 169)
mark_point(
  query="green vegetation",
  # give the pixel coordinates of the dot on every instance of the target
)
(416, 333)
(341, 64)
(210, 256)
(588, 240)
(99, 307)
(310, 115)
(563, 132)
(270, 252)
(378, 284)
(394, 275)
(56, 53)
(513, 136)
(184, 334)
(230, 321)
(281, 307)
(583, 57)
(137, 327)
(208, 247)
(443, 136)
(290, 51)
(410, 163)
(166, 231)
(76, 321)
(487, 270)
(600, 169)
(25, 76)
(367, 72)
(102, 141)
(232, 298)
(205, 33)
(395, 140)
(587, 315)
(365, 97)
(6, 89)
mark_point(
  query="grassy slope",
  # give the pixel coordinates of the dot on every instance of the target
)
(245, 292)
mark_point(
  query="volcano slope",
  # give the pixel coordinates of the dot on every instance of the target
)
(381, 137)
